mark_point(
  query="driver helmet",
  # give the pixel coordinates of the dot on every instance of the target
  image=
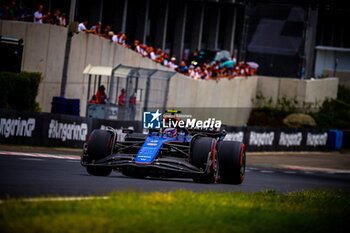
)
(170, 132)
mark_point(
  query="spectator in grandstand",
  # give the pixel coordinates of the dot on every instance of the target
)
(151, 53)
(101, 96)
(25, 17)
(38, 16)
(253, 70)
(196, 73)
(110, 35)
(172, 64)
(191, 71)
(165, 59)
(136, 46)
(236, 71)
(56, 17)
(106, 31)
(159, 58)
(143, 50)
(115, 38)
(158, 52)
(63, 20)
(206, 73)
(120, 38)
(96, 29)
(47, 17)
(247, 71)
(183, 69)
(241, 67)
(11, 11)
(123, 40)
(82, 26)
(214, 72)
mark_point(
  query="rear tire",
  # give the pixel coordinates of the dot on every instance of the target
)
(232, 161)
(201, 149)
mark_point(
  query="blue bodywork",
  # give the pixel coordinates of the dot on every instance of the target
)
(152, 145)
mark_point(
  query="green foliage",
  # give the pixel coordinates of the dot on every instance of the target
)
(268, 115)
(332, 113)
(343, 94)
(182, 211)
(287, 105)
(19, 90)
(335, 113)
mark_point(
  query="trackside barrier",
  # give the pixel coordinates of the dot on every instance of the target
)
(335, 139)
(279, 139)
(346, 139)
(46, 129)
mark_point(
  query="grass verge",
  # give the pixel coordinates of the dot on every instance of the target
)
(182, 211)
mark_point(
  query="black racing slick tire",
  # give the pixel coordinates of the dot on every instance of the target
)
(232, 160)
(99, 146)
(201, 149)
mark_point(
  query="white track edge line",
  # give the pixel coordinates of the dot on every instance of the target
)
(43, 199)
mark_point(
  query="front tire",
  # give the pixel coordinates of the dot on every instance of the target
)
(232, 160)
(202, 150)
(99, 146)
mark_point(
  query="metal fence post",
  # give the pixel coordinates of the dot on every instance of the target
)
(167, 91)
(148, 83)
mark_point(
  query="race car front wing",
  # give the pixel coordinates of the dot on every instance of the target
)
(165, 163)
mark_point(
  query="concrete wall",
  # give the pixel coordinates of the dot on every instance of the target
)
(227, 100)
(44, 48)
(308, 92)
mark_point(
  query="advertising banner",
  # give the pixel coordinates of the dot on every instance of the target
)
(46, 129)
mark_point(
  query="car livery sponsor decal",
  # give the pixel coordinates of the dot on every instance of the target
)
(152, 144)
(149, 150)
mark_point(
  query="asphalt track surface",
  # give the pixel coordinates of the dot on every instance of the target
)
(29, 176)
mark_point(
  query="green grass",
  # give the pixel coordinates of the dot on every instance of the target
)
(182, 211)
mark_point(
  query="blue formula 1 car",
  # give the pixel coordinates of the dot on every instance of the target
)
(166, 153)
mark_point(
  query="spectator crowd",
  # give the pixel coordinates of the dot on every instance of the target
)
(12, 12)
(192, 67)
